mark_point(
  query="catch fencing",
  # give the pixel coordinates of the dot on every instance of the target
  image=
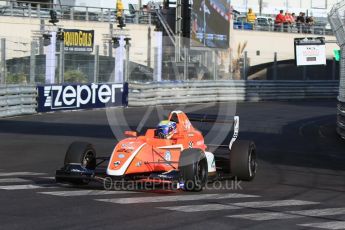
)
(336, 19)
(341, 119)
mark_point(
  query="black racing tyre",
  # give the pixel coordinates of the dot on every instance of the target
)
(81, 153)
(193, 169)
(243, 162)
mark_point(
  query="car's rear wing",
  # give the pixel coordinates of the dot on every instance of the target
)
(218, 119)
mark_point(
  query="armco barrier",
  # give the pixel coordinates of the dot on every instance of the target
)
(20, 100)
(17, 100)
(166, 93)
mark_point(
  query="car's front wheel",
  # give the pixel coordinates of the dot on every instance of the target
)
(82, 153)
(193, 169)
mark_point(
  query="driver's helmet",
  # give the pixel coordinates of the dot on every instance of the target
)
(166, 129)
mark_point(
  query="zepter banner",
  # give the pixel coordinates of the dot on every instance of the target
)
(80, 96)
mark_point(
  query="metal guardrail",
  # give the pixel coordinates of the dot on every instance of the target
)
(36, 9)
(312, 29)
(21, 100)
(17, 100)
(141, 94)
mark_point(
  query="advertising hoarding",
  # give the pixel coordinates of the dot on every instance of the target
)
(79, 40)
(80, 96)
(310, 51)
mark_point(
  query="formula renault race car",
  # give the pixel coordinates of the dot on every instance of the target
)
(183, 159)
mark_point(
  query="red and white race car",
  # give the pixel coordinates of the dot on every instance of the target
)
(182, 159)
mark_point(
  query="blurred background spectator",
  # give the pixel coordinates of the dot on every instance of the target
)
(279, 21)
(251, 17)
(300, 21)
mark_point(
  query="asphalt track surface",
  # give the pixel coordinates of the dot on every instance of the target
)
(300, 182)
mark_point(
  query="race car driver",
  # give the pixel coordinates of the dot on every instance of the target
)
(166, 129)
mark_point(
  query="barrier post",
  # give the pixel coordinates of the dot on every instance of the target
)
(333, 69)
(38, 10)
(72, 13)
(30, 10)
(127, 46)
(96, 65)
(109, 16)
(136, 17)
(245, 65)
(33, 62)
(155, 63)
(149, 47)
(62, 62)
(87, 13)
(185, 64)
(11, 8)
(3, 61)
(275, 66)
(215, 65)
(41, 45)
(305, 73)
(110, 46)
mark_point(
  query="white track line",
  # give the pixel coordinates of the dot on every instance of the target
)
(201, 208)
(231, 206)
(278, 203)
(291, 214)
(265, 216)
(326, 225)
(156, 199)
(20, 174)
(320, 212)
(84, 193)
(48, 178)
(13, 180)
(26, 187)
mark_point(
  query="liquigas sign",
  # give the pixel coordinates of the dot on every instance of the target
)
(78, 40)
(80, 96)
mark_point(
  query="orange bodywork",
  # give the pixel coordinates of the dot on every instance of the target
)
(148, 153)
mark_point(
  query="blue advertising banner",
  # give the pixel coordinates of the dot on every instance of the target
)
(80, 96)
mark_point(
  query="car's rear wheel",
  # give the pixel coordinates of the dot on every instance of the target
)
(193, 169)
(82, 153)
(243, 161)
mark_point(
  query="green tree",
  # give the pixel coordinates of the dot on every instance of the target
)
(75, 76)
(16, 78)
